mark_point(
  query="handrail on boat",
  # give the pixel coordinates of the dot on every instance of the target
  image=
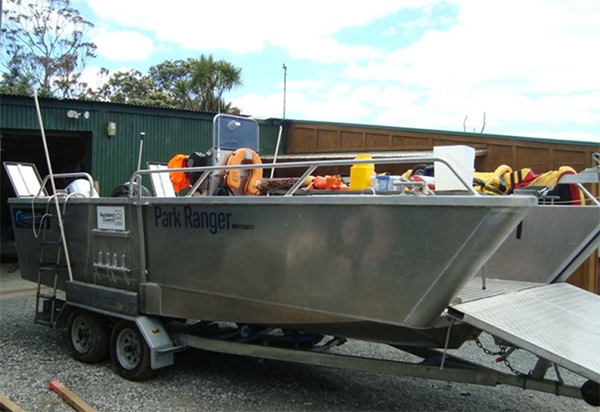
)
(311, 166)
(67, 175)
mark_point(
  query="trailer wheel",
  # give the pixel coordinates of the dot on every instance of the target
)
(130, 352)
(590, 392)
(88, 336)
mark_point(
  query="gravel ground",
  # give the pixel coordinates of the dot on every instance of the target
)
(31, 356)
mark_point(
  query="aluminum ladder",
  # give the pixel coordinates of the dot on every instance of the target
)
(47, 306)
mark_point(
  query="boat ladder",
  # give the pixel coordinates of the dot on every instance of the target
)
(47, 306)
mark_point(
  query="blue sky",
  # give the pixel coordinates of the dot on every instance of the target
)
(532, 66)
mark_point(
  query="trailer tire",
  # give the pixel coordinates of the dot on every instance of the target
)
(590, 392)
(130, 353)
(88, 336)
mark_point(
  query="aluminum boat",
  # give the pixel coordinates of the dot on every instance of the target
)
(409, 267)
(397, 260)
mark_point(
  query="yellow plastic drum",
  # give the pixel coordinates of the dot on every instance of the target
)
(361, 174)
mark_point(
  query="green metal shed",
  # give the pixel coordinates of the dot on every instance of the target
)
(78, 140)
(77, 134)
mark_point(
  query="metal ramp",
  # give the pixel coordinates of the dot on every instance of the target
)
(557, 322)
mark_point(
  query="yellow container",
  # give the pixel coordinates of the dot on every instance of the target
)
(361, 174)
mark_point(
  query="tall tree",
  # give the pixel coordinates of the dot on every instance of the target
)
(192, 84)
(129, 87)
(43, 45)
(173, 78)
(211, 78)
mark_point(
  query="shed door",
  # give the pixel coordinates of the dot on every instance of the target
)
(69, 152)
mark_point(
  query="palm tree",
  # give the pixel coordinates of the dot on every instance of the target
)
(211, 78)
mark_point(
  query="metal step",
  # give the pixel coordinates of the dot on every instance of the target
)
(51, 267)
(557, 322)
(48, 296)
(43, 322)
(51, 242)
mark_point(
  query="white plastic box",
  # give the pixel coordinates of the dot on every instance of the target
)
(462, 158)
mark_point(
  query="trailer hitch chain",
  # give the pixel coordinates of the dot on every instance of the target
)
(503, 355)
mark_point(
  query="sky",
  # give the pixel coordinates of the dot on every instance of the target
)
(531, 67)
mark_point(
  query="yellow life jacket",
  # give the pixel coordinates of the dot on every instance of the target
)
(552, 178)
(407, 174)
(233, 179)
(491, 183)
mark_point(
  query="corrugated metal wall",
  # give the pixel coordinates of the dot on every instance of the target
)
(113, 160)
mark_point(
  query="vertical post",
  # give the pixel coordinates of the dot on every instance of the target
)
(284, 87)
(53, 183)
(281, 125)
(276, 150)
(139, 165)
(484, 277)
(1, 12)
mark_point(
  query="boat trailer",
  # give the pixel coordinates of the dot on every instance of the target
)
(556, 322)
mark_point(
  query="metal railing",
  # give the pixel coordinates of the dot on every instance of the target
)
(67, 176)
(311, 167)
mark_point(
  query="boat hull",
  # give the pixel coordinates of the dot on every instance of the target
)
(306, 260)
(552, 242)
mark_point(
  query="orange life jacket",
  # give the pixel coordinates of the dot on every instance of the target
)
(233, 179)
(180, 180)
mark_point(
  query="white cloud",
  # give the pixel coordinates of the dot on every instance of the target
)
(520, 62)
(302, 106)
(310, 86)
(536, 65)
(91, 76)
(304, 29)
(124, 45)
(539, 49)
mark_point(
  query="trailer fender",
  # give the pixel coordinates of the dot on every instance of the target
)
(156, 336)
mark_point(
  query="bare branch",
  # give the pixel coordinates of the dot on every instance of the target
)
(483, 127)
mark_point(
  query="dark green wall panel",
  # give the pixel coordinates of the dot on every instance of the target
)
(113, 160)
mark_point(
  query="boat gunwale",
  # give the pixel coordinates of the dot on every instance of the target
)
(358, 200)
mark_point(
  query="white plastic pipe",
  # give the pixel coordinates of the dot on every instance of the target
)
(276, 150)
(53, 184)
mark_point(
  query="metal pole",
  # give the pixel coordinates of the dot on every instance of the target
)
(284, 87)
(53, 184)
(141, 151)
(276, 150)
(1, 12)
(280, 126)
(142, 135)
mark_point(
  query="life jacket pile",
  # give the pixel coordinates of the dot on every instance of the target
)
(504, 181)
(233, 179)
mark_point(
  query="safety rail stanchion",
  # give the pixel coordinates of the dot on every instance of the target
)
(310, 165)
